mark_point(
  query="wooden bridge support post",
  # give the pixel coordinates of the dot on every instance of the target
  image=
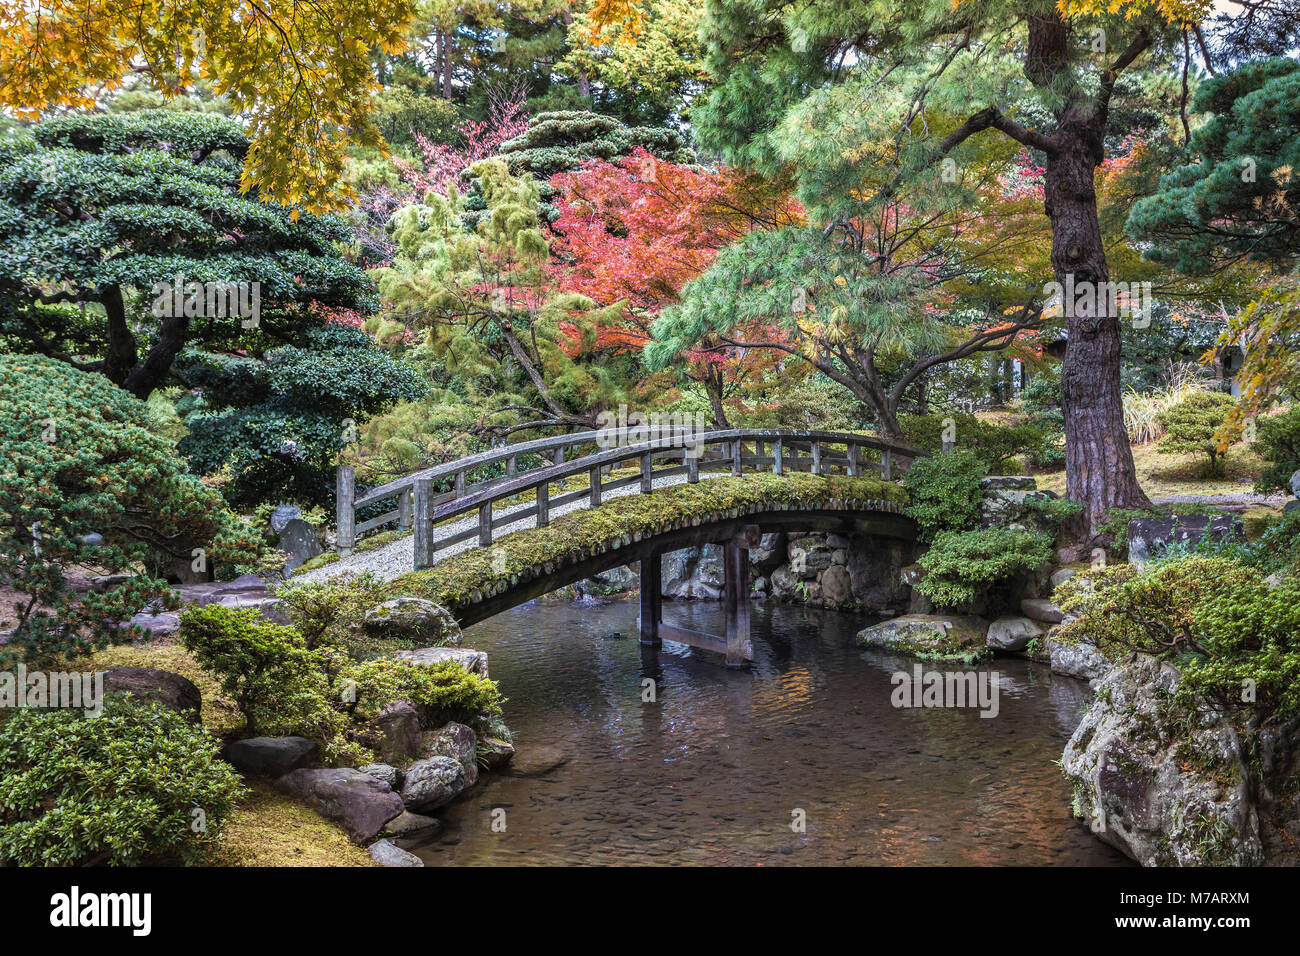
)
(736, 598)
(735, 458)
(346, 512)
(593, 480)
(646, 466)
(423, 541)
(652, 611)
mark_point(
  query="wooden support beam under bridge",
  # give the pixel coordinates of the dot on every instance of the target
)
(735, 645)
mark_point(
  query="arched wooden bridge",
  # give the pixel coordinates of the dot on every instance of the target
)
(431, 501)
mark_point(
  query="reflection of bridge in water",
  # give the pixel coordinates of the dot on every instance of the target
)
(449, 514)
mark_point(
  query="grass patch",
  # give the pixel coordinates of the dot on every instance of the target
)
(1164, 474)
(311, 564)
(269, 829)
(219, 714)
(580, 533)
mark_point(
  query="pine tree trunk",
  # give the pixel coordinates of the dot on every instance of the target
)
(1098, 461)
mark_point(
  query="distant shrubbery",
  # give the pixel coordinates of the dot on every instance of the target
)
(993, 444)
(1278, 443)
(1192, 426)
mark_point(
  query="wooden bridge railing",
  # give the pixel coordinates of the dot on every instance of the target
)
(421, 505)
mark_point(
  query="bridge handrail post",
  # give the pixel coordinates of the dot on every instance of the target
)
(485, 524)
(736, 450)
(816, 452)
(887, 464)
(855, 467)
(543, 504)
(423, 544)
(692, 467)
(593, 480)
(778, 467)
(345, 521)
(404, 508)
(647, 483)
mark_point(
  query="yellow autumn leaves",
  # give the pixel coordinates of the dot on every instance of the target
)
(299, 73)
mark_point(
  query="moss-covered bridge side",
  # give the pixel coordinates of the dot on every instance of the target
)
(480, 582)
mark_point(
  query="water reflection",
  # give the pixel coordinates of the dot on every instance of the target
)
(712, 772)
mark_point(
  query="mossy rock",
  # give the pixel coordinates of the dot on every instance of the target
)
(945, 638)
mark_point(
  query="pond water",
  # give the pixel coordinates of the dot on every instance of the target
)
(714, 771)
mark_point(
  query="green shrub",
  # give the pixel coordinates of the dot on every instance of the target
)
(1057, 511)
(266, 668)
(1229, 630)
(944, 492)
(442, 692)
(995, 445)
(329, 613)
(79, 460)
(1192, 424)
(963, 566)
(1278, 442)
(283, 687)
(135, 784)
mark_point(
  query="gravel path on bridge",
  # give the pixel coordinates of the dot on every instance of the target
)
(398, 558)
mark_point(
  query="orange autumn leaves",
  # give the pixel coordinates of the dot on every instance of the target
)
(639, 229)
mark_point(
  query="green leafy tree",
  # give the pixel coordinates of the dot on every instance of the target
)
(904, 87)
(484, 299)
(101, 214)
(83, 482)
(272, 426)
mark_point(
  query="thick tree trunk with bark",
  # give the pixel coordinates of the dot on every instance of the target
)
(1098, 461)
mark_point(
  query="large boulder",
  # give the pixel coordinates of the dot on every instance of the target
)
(1149, 538)
(1080, 659)
(432, 783)
(458, 742)
(1165, 784)
(837, 586)
(148, 685)
(413, 619)
(618, 580)
(475, 662)
(1041, 609)
(1295, 483)
(1010, 633)
(497, 751)
(408, 826)
(385, 772)
(271, 756)
(358, 801)
(936, 637)
(300, 541)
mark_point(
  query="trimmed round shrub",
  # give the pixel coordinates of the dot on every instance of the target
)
(1192, 426)
(136, 784)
